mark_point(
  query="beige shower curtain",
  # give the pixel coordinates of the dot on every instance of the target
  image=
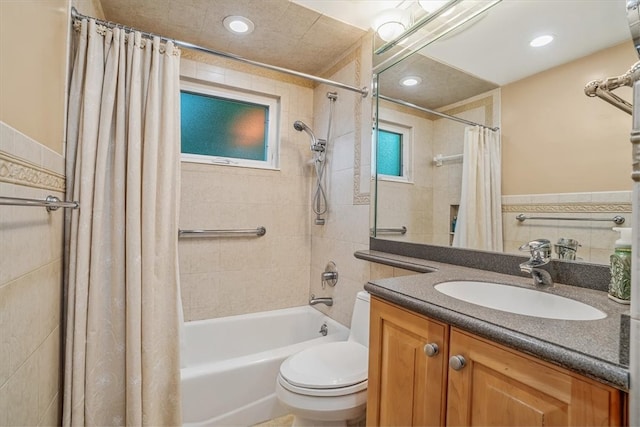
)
(122, 321)
(479, 222)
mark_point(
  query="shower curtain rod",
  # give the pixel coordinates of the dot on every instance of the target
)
(437, 113)
(364, 91)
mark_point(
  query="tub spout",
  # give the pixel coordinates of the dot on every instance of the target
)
(324, 300)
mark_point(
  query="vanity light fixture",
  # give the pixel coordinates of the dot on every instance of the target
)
(431, 6)
(390, 23)
(410, 81)
(238, 24)
(541, 40)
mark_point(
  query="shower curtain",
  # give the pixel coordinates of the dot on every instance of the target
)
(479, 222)
(122, 296)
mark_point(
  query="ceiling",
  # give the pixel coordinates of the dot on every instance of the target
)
(286, 34)
(309, 35)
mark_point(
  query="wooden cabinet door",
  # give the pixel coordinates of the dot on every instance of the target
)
(406, 386)
(502, 387)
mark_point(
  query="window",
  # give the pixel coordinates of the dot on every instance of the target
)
(389, 153)
(228, 127)
(393, 152)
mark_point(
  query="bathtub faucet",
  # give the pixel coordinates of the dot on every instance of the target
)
(324, 300)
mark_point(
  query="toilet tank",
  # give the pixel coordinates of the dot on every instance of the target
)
(360, 319)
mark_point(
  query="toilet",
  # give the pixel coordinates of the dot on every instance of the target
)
(326, 385)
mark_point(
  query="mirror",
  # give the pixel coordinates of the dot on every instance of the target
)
(565, 157)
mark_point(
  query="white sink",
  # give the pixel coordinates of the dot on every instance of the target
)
(524, 301)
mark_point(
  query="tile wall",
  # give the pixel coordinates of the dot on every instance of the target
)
(416, 194)
(224, 277)
(595, 237)
(228, 276)
(428, 199)
(348, 185)
(30, 282)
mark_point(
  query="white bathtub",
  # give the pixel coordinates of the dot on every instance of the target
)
(230, 364)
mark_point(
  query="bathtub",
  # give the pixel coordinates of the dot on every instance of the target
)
(230, 364)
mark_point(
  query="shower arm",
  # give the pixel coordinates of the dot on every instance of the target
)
(603, 88)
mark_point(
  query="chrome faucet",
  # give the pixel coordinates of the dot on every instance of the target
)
(328, 301)
(540, 250)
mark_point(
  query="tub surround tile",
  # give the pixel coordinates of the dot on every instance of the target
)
(230, 276)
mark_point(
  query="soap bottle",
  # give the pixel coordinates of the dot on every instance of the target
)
(620, 285)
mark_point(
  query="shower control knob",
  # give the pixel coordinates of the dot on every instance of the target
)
(457, 362)
(431, 349)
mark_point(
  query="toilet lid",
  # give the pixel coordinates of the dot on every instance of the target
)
(331, 365)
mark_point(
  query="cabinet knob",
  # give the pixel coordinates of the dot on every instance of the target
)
(457, 362)
(431, 349)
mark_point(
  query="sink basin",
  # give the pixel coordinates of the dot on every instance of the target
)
(529, 302)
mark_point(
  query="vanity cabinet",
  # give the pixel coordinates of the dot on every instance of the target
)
(407, 368)
(471, 381)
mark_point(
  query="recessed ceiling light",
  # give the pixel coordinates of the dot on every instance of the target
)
(541, 41)
(238, 24)
(410, 81)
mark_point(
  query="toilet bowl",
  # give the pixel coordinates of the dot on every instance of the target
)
(326, 385)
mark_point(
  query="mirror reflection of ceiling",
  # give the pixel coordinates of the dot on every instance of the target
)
(493, 49)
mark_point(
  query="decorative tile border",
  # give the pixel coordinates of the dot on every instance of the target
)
(568, 208)
(21, 172)
(358, 197)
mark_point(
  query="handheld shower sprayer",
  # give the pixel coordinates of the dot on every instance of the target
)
(316, 144)
(319, 148)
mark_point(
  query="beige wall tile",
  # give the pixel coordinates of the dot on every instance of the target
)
(52, 416)
(30, 289)
(48, 355)
(23, 395)
(228, 276)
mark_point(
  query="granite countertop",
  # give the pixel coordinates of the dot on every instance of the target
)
(592, 348)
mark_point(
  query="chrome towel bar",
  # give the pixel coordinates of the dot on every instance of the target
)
(260, 231)
(618, 219)
(52, 203)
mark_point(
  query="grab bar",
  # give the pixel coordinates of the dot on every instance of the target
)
(439, 158)
(52, 203)
(401, 230)
(618, 219)
(260, 231)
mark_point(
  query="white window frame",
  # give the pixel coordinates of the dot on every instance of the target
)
(273, 141)
(407, 151)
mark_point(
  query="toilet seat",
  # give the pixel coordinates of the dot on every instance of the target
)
(332, 369)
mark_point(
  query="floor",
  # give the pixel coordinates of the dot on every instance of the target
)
(285, 421)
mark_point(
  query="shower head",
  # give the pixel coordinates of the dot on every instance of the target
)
(301, 126)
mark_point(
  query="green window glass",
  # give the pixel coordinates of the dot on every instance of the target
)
(389, 153)
(222, 127)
